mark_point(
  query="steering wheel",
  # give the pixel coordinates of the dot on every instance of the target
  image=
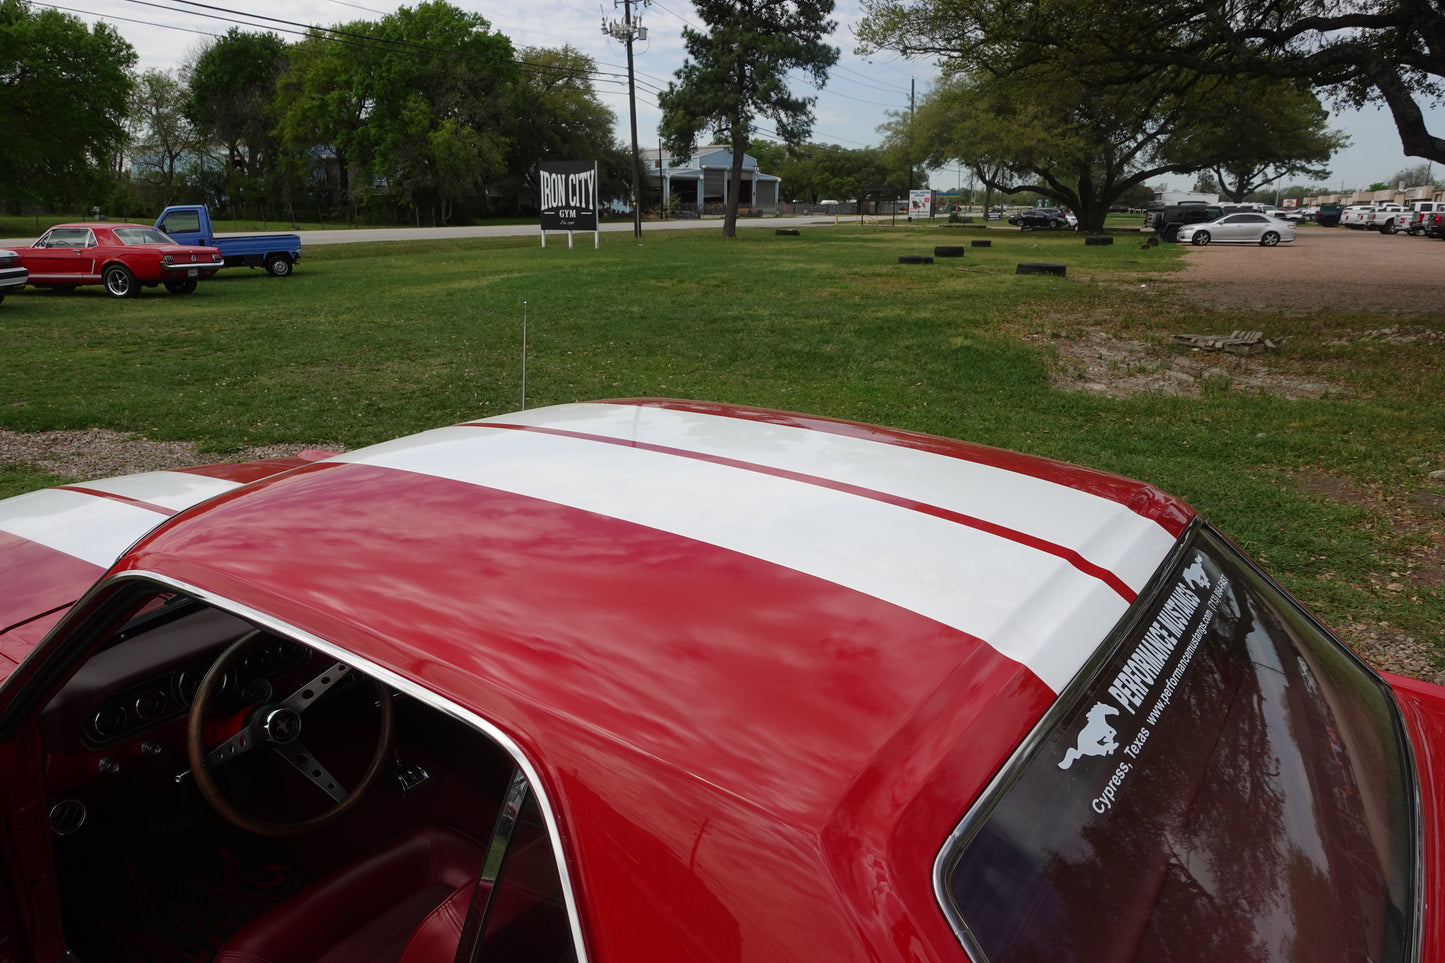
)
(277, 725)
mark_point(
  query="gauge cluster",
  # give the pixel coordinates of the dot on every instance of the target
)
(137, 708)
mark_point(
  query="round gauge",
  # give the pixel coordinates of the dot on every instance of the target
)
(108, 721)
(256, 692)
(150, 704)
(189, 681)
(257, 661)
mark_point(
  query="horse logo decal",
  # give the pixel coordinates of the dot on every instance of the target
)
(1097, 737)
(1195, 575)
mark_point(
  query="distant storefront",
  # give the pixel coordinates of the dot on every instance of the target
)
(703, 184)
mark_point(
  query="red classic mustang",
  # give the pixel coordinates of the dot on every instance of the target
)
(123, 257)
(661, 681)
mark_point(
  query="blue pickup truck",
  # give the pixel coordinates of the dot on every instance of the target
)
(191, 224)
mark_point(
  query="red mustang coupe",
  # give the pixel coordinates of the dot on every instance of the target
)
(123, 257)
(661, 681)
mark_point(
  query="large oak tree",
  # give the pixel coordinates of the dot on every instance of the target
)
(1390, 52)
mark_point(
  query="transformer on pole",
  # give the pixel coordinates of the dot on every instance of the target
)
(627, 30)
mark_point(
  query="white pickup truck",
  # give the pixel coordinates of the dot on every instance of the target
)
(1418, 218)
(1386, 218)
(1354, 215)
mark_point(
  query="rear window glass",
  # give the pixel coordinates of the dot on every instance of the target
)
(1232, 784)
(140, 235)
(182, 222)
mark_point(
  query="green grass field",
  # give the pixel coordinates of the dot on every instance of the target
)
(367, 342)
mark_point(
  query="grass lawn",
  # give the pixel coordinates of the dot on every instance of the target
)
(367, 342)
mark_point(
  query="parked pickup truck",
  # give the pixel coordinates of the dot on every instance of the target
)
(1354, 216)
(1421, 214)
(191, 224)
(1386, 218)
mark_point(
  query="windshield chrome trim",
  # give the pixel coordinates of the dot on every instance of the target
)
(406, 687)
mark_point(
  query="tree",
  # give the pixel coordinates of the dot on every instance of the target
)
(815, 172)
(1251, 131)
(323, 99)
(439, 127)
(1038, 128)
(559, 117)
(64, 90)
(232, 85)
(161, 135)
(1081, 126)
(738, 70)
(1385, 51)
(1418, 176)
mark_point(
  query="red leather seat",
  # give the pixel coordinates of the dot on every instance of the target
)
(406, 900)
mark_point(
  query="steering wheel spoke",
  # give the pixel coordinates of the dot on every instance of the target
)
(310, 767)
(307, 694)
(250, 736)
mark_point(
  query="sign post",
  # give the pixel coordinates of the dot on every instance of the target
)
(569, 199)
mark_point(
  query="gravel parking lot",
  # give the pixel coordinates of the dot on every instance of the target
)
(1325, 268)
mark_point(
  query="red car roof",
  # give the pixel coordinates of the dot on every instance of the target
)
(836, 628)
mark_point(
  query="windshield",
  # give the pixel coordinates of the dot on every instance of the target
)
(141, 235)
(1232, 784)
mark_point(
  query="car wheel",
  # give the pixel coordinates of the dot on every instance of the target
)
(119, 282)
(1201, 238)
(278, 265)
(1171, 233)
(184, 286)
(1270, 239)
(1388, 227)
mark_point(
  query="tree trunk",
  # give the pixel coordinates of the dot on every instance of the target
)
(734, 186)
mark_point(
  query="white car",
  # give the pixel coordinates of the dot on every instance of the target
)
(1239, 229)
(12, 275)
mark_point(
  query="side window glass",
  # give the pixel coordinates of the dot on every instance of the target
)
(519, 911)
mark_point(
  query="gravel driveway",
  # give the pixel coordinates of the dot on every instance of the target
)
(1327, 267)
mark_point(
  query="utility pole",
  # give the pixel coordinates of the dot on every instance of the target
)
(912, 93)
(627, 31)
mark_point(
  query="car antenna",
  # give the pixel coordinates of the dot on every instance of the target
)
(524, 355)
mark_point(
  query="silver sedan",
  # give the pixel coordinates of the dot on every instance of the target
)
(1239, 229)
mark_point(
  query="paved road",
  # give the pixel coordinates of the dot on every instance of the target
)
(349, 236)
(532, 230)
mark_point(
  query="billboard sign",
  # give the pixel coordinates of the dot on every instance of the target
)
(569, 195)
(920, 203)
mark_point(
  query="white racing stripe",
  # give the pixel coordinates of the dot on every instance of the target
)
(1028, 604)
(95, 528)
(87, 527)
(1102, 531)
(176, 490)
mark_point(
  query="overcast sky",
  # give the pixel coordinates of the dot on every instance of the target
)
(858, 96)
